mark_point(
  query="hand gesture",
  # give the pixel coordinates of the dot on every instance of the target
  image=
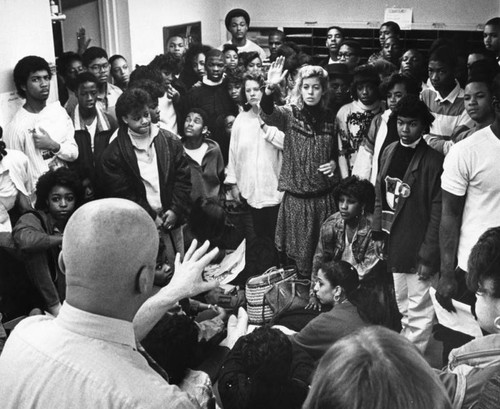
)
(314, 304)
(82, 40)
(328, 168)
(379, 247)
(236, 328)
(188, 280)
(172, 93)
(43, 141)
(276, 74)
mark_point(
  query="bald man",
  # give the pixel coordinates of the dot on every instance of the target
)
(87, 357)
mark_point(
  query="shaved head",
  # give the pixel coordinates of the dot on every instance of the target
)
(108, 244)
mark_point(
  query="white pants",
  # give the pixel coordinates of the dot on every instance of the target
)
(415, 304)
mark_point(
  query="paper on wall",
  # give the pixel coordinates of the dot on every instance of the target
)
(402, 16)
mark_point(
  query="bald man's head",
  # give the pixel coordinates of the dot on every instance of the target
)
(107, 244)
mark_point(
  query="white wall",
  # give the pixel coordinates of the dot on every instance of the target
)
(26, 29)
(87, 16)
(148, 17)
(456, 14)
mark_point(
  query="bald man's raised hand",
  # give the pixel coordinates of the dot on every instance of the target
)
(188, 277)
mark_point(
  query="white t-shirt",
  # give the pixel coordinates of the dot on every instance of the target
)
(197, 154)
(249, 47)
(471, 170)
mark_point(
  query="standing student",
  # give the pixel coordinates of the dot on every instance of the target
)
(237, 22)
(445, 101)
(408, 208)
(491, 36)
(353, 120)
(387, 29)
(309, 161)
(350, 54)
(120, 71)
(44, 132)
(275, 40)
(334, 38)
(176, 45)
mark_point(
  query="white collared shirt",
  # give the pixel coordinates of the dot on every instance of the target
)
(80, 360)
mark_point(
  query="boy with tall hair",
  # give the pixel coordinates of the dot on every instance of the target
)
(237, 22)
(445, 100)
(44, 132)
(334, 38)
(408, 209)
(212, 96)
(147, 165)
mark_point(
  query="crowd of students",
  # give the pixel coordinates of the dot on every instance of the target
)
(376, 180)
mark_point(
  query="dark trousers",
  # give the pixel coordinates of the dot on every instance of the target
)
(264, 224)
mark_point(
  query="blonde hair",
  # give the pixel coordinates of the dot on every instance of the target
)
(310, 71)
(375, 368)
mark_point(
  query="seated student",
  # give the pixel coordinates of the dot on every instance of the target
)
(176, 45)
(375, 368)
(44, 132)
(147, 165)
(237, 22)
(173, 344)
(212, 95)
(69, 65)
(203, 155)
(120, 71)
(350, 54)
(95, 61)
(334, 38)
(413, 65)
(339, 81)
(353, 120)
(408, 208)
(387, 29)
(169, 104)
(38, 235)
(383, 130)
(230, 52)
(353, 307)
(263, 370)
(445, 101)
(478, 96)
(252, 64)
(491, 36)
(194, 65)
(275, 39)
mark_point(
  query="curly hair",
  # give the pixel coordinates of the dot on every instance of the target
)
(311, 71)
(60, 177)
(484, 261)
(132, 100)
(26, 66)
(412, 86)
(410, 106)
(259, 79)
(173, 343)
(167, 62)
(361, 189)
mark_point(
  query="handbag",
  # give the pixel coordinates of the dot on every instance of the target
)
(258, 310)
(288, 296)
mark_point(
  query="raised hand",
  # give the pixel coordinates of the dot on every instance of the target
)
(276, 74)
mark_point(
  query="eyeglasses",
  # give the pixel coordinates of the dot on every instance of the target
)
(346, 55)
(99, 67)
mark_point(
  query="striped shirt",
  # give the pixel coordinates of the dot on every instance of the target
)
(52, 120)
(451, 118)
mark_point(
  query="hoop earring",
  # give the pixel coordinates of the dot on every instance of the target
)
(336, 299)
(496, 322)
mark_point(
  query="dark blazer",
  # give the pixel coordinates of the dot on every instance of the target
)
(414, 235)
(119, 173)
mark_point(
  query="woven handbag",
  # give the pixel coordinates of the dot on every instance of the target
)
(259, 311)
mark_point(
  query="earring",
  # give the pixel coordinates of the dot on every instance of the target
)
(336, 299)
(496, 323)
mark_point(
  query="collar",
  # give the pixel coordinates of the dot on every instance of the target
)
(96, 326)
(373, 107)
(141, 142)
(211, 83)
(412, 145)
(455, 92)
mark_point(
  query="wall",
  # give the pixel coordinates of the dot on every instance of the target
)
(86, 15)
(456, 14)
(148, 17)
(26, 30)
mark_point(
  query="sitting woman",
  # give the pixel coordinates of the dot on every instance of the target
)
(354, 307)
(375, 368)
(39, 234)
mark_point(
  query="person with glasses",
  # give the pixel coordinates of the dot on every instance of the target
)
(350, 54)
(95, 61)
